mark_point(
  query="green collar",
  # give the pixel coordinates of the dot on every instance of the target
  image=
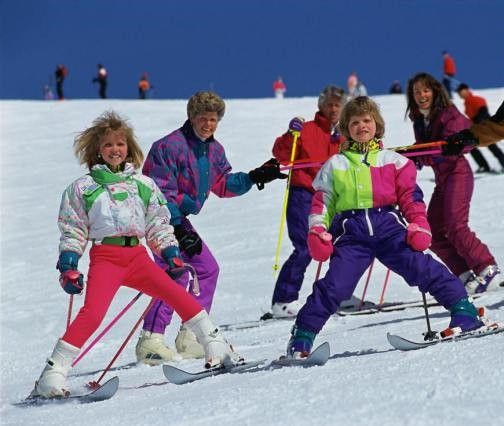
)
(106, 177)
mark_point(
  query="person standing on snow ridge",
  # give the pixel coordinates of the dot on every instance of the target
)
(319, 139)
(355, 86)
(60, 74)
(449, 71)
(476, 109)
(435, 118)
(101, 79)
(279, 88)
(187, 165)
(114, 207)
(365, 195)
(143, 86)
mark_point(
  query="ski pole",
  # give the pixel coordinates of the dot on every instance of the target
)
(69, 314)
(94, 385)
(106, 329)
(384, 287)
(429, 335)
(284, 205)
(366, 285)
(418, 146)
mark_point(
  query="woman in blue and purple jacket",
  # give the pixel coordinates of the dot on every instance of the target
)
(187, 165)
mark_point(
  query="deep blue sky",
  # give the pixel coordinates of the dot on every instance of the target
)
(239, 47)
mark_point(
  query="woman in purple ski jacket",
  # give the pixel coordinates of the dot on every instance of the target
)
(187, 165)
(434, 119)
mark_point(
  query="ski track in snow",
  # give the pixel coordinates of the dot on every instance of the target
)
(364, 383)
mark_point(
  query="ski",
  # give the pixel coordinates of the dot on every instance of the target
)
(403, 344)
(371, 308)
(316, 358)
(104, 392)
(266, 319)
(181, 377)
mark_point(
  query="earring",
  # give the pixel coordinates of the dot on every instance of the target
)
(99, 155)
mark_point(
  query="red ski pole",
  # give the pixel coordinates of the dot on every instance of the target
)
(384, 288)
(69, 314)
(366, 285)
(106, 329)
(94, 385)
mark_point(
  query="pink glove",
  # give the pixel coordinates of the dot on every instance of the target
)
(319, 243)
(419, 235)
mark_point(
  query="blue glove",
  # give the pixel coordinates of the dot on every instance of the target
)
(296, 124)
(71, 280)
(171, 256)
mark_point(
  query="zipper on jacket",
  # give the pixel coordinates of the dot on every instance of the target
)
(368, 221)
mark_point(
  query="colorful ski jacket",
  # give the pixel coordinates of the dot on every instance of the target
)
(186, 169)
(476, 107)
(315, 144)
(354, 181)
(105, 204)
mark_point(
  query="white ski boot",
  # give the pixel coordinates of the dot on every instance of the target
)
(486, 280)
(217, 349)
(286, 310)
(52, 381)
(187, 345)
(151, 349)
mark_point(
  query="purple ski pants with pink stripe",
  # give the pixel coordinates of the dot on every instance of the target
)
(207, 269)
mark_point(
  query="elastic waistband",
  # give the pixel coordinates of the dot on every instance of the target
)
(356, 212)
(124, 241)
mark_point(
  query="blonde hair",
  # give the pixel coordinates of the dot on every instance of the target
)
(87, 143)
(359, 106)
(202, 102)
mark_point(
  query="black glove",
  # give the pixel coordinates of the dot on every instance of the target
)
(268, 172)
(456, 143)
(498, 117)
(189, 241)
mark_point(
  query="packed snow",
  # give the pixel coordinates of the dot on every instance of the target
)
(365, 382)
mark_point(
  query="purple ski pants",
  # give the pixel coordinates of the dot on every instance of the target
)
(360, 236)
(207, 269)
(448, 214)
(291, 275)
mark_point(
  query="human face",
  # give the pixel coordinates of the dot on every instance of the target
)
(114, 149)
(205, 124)
(331, 109)
(362, 128)
(423, 95)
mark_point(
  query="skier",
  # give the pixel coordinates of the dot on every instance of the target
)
(476, 109)
(143, 86)
(319, 139)
(115, 207)
(187, 165)
(279, 88)
(395, 88)
(355, 86)
(435, 118)
(60, 75)
(370, 193)
(101, 79)
(449, 71)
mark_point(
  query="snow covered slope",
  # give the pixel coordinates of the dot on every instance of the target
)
(365, 382)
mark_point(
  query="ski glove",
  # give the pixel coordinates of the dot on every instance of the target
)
(296, 124)
(189, 241)
(71, 280)
(320, 243)
(171, 256)
(268, 172)
(456, 143)
(419, 235)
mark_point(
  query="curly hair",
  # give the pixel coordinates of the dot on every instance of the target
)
(361, 105)
(202, 102)
(440, 98)
(87, 143)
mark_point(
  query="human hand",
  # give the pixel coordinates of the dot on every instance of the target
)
(266, 173)
(456, 143)
(296, 124)
(70, 279)
(171, 256)
(419, 235)
(189, 241)
(320, 243)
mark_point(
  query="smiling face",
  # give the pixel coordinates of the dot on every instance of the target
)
(362, 128)
(114, 149)
(423, 95)
(205, 124)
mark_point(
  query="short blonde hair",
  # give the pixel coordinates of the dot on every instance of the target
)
(202, 102)
(87, 143)
(359, 106)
